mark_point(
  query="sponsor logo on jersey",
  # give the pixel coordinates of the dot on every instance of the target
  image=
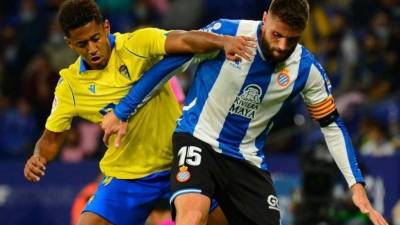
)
(217, 26)
(235, 64)
(124, 71)
(283, 78)
(183, 175)
(92, 88)
(211, 27)
(273, 202)
(247, 103)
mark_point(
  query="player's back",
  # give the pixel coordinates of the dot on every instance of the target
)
(90, 94)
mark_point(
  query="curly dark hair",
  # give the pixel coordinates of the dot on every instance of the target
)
(76, 13)
(295, 13)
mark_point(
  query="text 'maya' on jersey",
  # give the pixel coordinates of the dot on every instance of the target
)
(233, 105)
(90, 94)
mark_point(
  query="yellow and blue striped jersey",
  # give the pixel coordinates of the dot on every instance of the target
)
(89, 94)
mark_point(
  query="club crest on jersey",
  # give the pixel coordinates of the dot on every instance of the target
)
(246, 104)
(124, 71)
(183, 175)
(283, 78)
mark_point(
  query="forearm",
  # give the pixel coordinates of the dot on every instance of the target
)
(341, 149)
(149, 83)
(49, 145)
(194, 42)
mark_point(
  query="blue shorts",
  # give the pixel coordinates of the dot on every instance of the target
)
(129, 202)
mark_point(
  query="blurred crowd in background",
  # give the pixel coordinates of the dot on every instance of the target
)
(357, 41)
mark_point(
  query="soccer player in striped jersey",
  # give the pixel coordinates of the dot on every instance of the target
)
(229, 111)
(136, 173)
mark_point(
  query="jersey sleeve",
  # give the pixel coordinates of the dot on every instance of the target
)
(63, 108)
(147, 42)
(318, 97)
(153, 80)
(222, 27)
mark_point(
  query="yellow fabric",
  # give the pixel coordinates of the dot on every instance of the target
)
(146, 148)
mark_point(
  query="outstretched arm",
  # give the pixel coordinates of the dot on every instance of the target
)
(320, 103)
(141, 92)
(46, 149)
(201, 42)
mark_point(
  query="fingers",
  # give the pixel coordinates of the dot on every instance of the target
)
(121, 133)
(241, 46)
(233, 57)
(106, 137)
(250, 39)
(34, 169)
(376, 218)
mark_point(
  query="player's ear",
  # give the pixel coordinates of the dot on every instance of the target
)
(264, 19)
(68, 41)
(107, 26)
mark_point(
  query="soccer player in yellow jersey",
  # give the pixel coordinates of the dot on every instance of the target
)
(136, 173)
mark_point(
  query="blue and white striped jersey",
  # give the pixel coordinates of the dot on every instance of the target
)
(233, 105)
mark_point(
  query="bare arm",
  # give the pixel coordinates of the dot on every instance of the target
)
(46, 149)
(201, 42)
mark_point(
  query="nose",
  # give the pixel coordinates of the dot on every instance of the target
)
(92, 48)
(283, 44)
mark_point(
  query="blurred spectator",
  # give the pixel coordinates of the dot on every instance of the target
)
(12, 64)
(82, 142)
(120, 12)
(375, 140)
(56, 49)
(191, 11)
(31, 32)
(38, 86)
(318, 26)
(18, 131)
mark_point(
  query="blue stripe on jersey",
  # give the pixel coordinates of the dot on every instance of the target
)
(299, 84)
(206, 75)
(350, 152)
(150, 81)
(223, 26)
(260, 142)
(324, 77)
(235, 126)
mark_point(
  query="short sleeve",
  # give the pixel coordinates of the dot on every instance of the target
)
(63, 108)
(147, 42)
(222, 27)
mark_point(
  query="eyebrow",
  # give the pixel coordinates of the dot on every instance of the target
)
(84, 41)
(288, 37)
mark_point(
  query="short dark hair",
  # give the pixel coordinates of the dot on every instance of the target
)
(294, 13)
(76, 13)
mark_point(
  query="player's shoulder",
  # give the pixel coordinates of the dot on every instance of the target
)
(72, 69)
(142, 35)
(140, 41)
(227, 26)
